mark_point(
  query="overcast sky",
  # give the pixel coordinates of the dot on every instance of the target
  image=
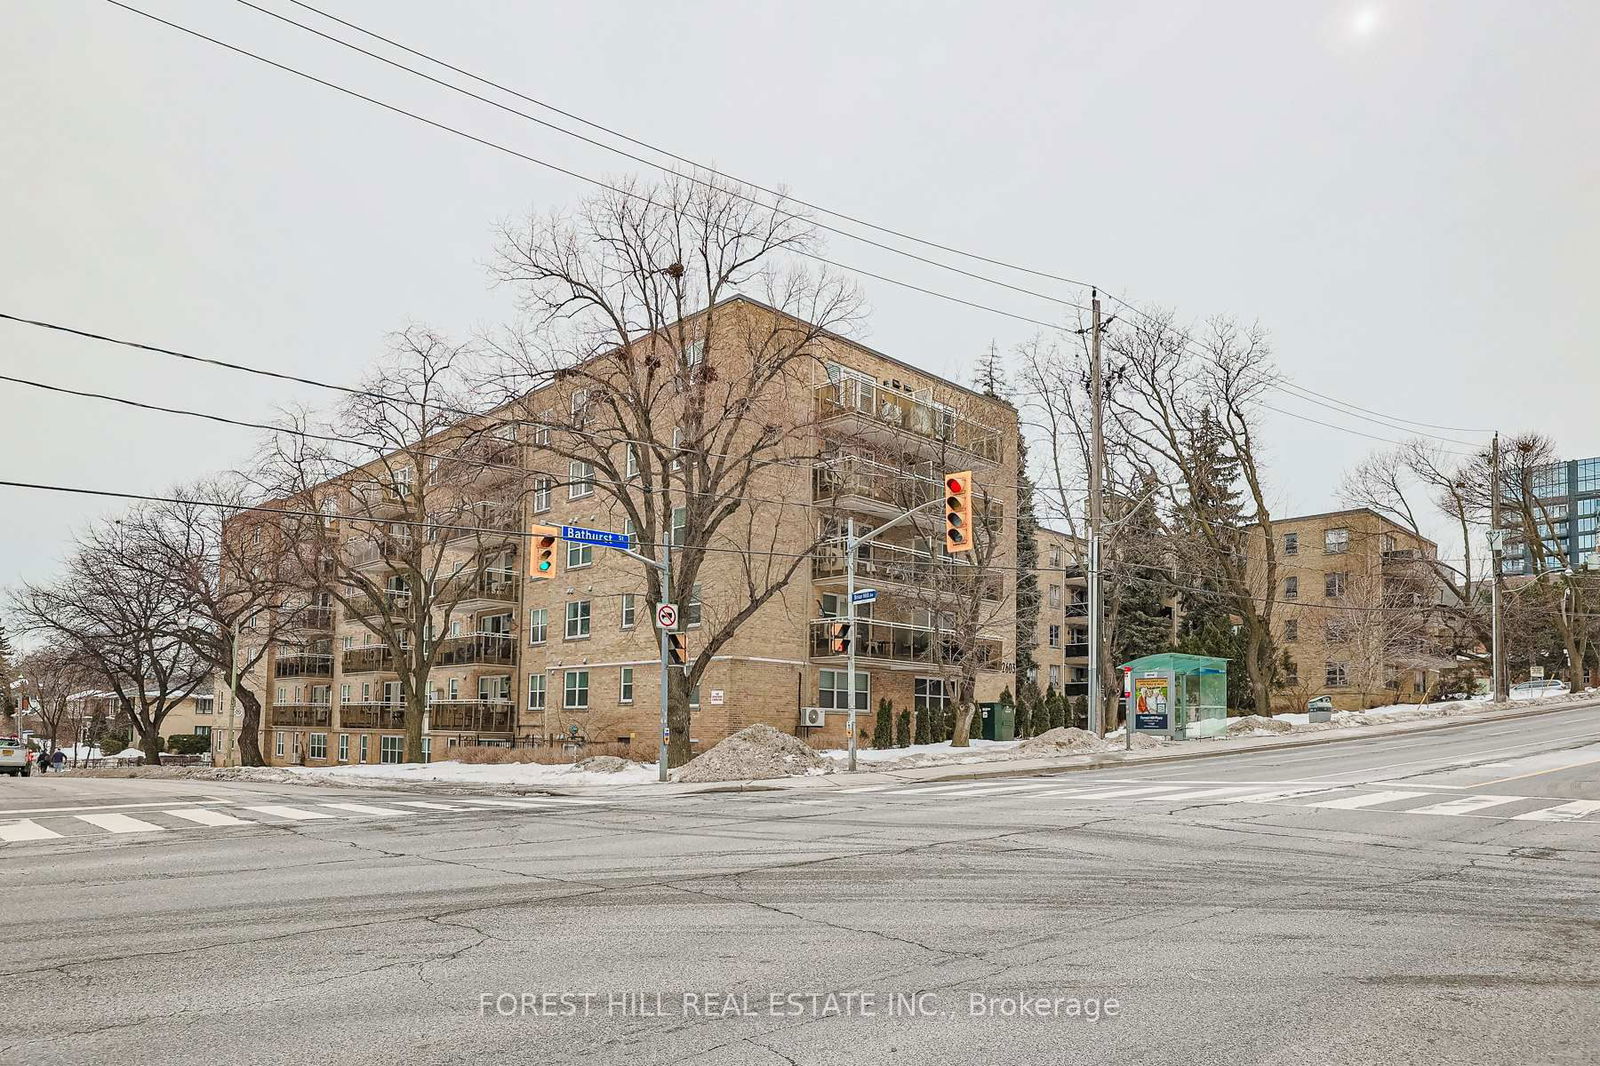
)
(1404, 193)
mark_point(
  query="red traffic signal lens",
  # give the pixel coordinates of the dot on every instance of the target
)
(955, 486)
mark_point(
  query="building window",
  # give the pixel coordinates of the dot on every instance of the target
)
(832, 694)
(580, 479)
(929, 694)
(1055, 636)
(579, 555)
(390, 749)
(1336, 675)
(1386, 543)
(363, 747)
(204, 704)
(1291, 630)
(1291, 588)
(283, 694)
(535, 692)
(691, 610)
(1055, 557)
(541, 494)
(344, 747)
(1291, 673)
(680, 523)
(538, 625)
(694, 698)
(631, 464)
(1055, 677)
(576, 690)
(1337, 632)
(1333, 584)
(630, 610)
(694, 353)
(344, 693)
(1335, 541)
(541, 430)
(319, 746)
(277, 744)
(1055, 596)
(625, 686)
(1291, 544)
(577, 619)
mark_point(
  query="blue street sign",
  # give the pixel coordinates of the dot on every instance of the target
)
(596, 536)
(864, 596)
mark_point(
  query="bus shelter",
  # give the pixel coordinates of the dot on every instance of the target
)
(1180, 697)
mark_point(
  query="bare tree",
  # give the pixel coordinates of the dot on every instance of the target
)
(692, 412)
(400, 508)
(123, 623)
(50, 673)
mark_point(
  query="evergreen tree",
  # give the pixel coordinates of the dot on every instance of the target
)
(989, 376)
(883, 726)
(1027, 593)
(1024, 713)
(903, 736)
(925, 726)
(8, 674)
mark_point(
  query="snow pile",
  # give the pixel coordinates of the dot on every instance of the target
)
(602, 764)
(1064, 741)
(1149, 740)
(129, 753)
(753, 753)
(451, 772)
(1254, 725)
(914, 755)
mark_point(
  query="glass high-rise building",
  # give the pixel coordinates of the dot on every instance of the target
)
(1569, 495)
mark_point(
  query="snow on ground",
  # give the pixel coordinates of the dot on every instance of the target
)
(459, 773)
(921, 755)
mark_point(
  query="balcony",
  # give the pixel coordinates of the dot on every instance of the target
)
(316, 619)
(1077, 609)
(888, 563)
(485, 522)
(394, 599)
(302, 715)
(1078, 650)
(472, 716)
(897, 418)
(370, 659)
(857, 483)
(372, 716)
(897, 642)
(369, 548)
(491, 588)
(303, 665)
(476, 649)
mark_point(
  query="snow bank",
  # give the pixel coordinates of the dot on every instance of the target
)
(753, 753)
(1254, 725)
(449, 771)
(1065, 741)
(913, 755)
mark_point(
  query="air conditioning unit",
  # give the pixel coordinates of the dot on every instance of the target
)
(813, 717)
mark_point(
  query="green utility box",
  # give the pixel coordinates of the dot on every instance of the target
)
(998, 722)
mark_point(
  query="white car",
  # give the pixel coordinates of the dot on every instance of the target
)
(14, 757)
(1532, 690)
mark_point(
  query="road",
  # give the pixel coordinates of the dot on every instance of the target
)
(1429, 898)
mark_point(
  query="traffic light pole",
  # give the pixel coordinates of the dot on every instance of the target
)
(664, 567)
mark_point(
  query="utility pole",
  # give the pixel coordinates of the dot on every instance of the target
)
(666, 638)
(850, 632)
(1497, 667)
(1097, 447)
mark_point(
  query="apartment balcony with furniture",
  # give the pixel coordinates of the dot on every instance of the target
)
(1078, 650)
(492, 588)
(372, 716)
(1077, 608)
(476, 649)
(883, 563)
(373, 658)
(303, 665)
(472, 716)
(899, 642)
(900, 419)
(365, 606)
(859, 483)
(301, 715)
(315, 619)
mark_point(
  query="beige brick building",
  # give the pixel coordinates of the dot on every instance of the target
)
(1354, 609)
(1061, 646)
(574, 657)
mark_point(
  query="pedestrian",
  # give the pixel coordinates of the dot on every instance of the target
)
(42, 763)
(59, 759)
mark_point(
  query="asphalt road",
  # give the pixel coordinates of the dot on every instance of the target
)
(1421, 899)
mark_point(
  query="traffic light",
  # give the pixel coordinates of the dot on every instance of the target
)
(839, 638)
(542, 561)
(677, 654)
(958, 512)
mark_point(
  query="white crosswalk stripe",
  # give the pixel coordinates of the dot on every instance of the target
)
(1207, 793)
(1465, 805)
(202, 816)
(362, 808)
(293, 814)
(1366, 799)
(27, 829)
(1566, 812)
(121, 823)
(426, 806)
(990, 790)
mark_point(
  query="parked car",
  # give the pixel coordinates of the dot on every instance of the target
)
(1532, 690)
(14, 757)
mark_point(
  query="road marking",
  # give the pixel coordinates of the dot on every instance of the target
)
(292, 813)
(362, 808)
(424, 805)
(526, 805)
(105, 806)
(26, 830)
(1365, 799)
(871, 788)
(1566, 812)
(1585, 761)
(1205, 793)
(990, 790)
(1117, 793)
(204, 817)
(1465, 804)
(120, 823)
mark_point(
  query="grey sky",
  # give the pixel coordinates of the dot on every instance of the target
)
(1412, 209)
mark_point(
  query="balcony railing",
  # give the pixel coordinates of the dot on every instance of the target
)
(473, 716)
(474, 649)
(489, 521)
(899, 411)
(899, 642)
(310, 665)
(501, 586)
(364, 606)
(1077, 608)
(312, 715)
(372, 716)
(886, 562)
(314, 619)
(1075, 650)
(855, 476)
(374, 657)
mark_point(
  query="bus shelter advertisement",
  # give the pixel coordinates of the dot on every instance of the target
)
(1152, 698)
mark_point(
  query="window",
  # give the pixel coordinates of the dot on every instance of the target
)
(928, 694)
(1055, 557)
(390, 749)
(580, 402)
(347, 642)
(1336, 675)
(1291, 588)
(344, 747)
(535, 692)
(677, 448)
(283, 694)
(680, 523)
(694, 353)
(455, 627)
(630, 610)
(1337, 632)
(1055, 636)
(541, 430)
(319, 746)
(204, 704)
(694, 698)
(577, 619)
(277, 744)
(427, 749)
(453, 689)
(632, 468)
(579, 555)
(1055, 677)
(625, 686)
(1055, 595)
(1291, 630)
(363, 747)
(580, 479)
(832, 694)
(538, 625)
(1291, 544)
(1386, 543)
(1291, 673)
(576, 691)
(1333, 584)
(691, 610)
(1335, 541)
(541, 494)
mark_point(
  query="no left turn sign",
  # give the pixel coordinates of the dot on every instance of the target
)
(667, 615)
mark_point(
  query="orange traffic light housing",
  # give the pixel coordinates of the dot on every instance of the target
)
(839, 638)
(542, 560)
(958, 512)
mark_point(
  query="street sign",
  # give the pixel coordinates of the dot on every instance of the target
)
(718, 696)
(864, 596)
(666, 616)
(1535, 673)
(597, 536)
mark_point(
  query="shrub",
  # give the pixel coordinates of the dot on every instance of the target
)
(903, 734)
(188, 744)
(883, 725)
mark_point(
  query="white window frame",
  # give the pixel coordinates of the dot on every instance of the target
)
(277, 745)
(580, 479)
(538, 625)
(579, 617)
(630, 610)
(579, 555)
(832, 686)
(538, 690)
(344, 747)
(318, 740)
(625, 685)
(541, 494)
(569, 689)
(397, 748)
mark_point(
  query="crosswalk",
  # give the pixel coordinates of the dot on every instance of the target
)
(1307, 794)
(157, 820)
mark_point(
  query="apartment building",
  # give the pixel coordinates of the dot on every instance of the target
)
(572, 658)
(1354, 609)
(1566, 512)
(1061, 646)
